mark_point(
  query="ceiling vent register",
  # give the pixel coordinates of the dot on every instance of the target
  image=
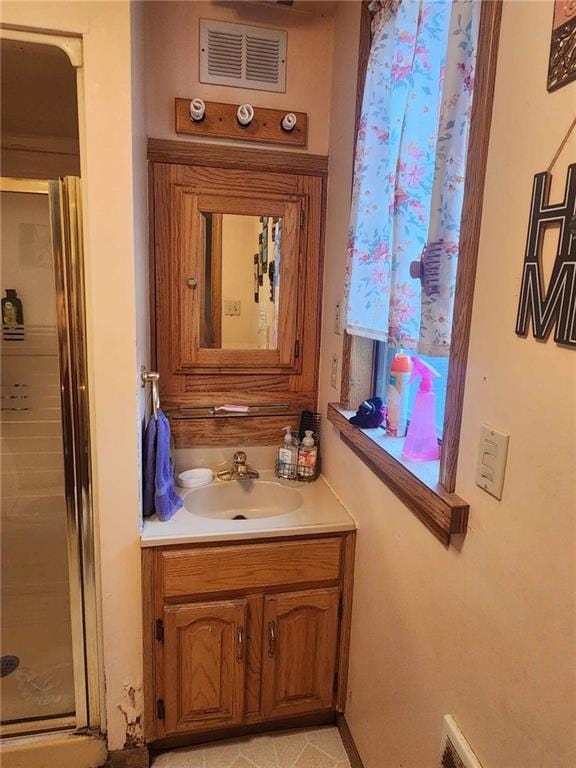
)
(243, 57)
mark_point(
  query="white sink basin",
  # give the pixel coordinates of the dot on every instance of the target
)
(243, 500)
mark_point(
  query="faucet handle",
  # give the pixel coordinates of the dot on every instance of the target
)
(239, 458)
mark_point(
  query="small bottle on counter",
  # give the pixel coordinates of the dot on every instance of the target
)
(398, 393)
(288, 456)
(307, 455)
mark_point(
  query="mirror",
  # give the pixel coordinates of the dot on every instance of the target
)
(240, 285)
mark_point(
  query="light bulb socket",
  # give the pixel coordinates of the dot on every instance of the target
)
(289, 122)
(245, 114)
(197, 110)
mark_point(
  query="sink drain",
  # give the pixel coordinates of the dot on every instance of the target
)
(239, 517)
(8, 664)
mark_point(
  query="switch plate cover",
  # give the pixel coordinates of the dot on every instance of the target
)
(232, 307)
(492, 454)
(338, 318)
(334, 372)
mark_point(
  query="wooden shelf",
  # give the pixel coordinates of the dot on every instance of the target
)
(443, 513)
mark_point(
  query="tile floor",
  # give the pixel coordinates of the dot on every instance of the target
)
(314, 748)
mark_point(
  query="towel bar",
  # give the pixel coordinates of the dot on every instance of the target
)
(152, 377)
(186, 413)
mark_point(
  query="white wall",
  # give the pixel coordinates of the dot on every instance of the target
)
(173, 63)
(107, 171)
(485, 630)
(239, 244)
(140, 193)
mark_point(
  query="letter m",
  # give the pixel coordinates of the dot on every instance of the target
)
(556, 305)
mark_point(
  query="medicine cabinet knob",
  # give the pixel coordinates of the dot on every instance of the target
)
(191, 282)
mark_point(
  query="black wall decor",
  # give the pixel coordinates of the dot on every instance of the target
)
(256, 278)
(562, 63)
(555, 306)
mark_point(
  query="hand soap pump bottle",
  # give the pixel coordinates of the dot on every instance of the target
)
(422, 442)
(288, 456)
(307, 455)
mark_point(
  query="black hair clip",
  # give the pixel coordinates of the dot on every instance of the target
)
(370, 414)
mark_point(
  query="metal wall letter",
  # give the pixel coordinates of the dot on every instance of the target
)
(557, 305)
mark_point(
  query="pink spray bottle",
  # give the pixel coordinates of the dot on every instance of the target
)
(422, 442)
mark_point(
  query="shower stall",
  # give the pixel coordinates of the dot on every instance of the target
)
(48, 635)
(48, 653)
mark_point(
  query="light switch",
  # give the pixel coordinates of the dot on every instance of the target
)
(334, 372)
(492, 454)
(487, 474)
(489, 460)
(338, 318)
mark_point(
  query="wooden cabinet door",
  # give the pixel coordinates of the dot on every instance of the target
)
(204, 661)
(299, 654)
(187, 282)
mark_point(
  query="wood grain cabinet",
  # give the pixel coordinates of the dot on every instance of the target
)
(236, 281)
(204, 663)
(300, 651)
(270, 645)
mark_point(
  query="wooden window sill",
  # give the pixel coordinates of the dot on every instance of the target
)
(415, 483)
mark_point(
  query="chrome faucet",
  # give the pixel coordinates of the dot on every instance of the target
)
(239, 470)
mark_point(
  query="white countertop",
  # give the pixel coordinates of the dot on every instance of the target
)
(320, 512)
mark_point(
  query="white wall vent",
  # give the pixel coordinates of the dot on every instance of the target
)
(456, 752)
(243, 56)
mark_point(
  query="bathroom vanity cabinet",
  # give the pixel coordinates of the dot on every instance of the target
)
(242, 634)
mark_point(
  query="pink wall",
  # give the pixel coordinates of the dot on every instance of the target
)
(172, 37)
(485, 630)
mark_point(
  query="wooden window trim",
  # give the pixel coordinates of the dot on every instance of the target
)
(435, 503)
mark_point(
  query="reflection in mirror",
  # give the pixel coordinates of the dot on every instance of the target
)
(240, 288)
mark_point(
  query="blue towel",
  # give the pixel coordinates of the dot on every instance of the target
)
(149, 468)
(159, 493)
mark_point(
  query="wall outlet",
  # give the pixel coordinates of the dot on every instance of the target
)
(492, 454)
(334, 372)
(232, 307)
(338, 318)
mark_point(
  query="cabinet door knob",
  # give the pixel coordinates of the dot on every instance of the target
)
(191, 282)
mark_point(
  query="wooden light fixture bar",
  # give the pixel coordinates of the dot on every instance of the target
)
(220, 122)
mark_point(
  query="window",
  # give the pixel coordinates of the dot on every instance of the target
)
(383, 363)
(384, 245)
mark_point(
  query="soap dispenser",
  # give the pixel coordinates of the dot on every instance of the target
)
(288, 456)
(307, 454)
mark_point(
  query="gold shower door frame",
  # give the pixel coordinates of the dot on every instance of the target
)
(65, 205)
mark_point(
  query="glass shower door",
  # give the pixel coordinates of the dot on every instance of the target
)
(42, 674)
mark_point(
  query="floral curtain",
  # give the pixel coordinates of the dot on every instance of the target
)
(409, 170)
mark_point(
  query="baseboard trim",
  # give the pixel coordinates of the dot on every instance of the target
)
(137, 757)
(292, 723)
(348, 741)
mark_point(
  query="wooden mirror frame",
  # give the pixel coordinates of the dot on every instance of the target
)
(189, 205)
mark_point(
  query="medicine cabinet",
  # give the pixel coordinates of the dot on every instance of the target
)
(237, 264)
